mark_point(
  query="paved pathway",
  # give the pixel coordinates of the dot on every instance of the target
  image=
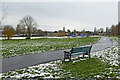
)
(33, 59)
(102, 44)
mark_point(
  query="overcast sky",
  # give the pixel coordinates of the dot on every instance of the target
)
(54, 15)
(60, 0)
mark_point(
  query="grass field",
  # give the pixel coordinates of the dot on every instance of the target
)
(103, 65)
(12, 48)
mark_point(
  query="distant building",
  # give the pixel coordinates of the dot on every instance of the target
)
(95, 31)
(61, 33)
(50, 33)
(108, 31)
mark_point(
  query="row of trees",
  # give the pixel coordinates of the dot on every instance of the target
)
(20, 30)
(115, 29)
(27, 26)
(62, 33)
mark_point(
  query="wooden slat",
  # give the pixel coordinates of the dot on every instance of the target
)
(80, 50)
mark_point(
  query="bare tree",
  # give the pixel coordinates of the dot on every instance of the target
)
(29, 23)
(34, 30)
(18, 30)
(101, 30)
(2, 13)
(23, 30)
(2, 16)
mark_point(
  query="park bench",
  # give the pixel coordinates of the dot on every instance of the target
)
(77, 51)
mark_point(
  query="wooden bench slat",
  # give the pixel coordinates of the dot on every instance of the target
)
(77, 51)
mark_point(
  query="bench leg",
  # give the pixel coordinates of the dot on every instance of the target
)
(64, 59)
(67, 56)
(83, 55)
(70, 57)
(89, 55)
(64, 56)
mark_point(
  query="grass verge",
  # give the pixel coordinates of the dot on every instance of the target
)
(12, 48)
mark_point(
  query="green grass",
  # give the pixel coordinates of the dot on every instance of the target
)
(99, 66)
(86, 68)
(12, 48)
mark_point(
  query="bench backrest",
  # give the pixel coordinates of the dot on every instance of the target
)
(85, 49)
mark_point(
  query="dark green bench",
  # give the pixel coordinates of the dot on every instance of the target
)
(77, 51)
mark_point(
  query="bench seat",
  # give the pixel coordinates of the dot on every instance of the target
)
(77, 53)
(85, 50)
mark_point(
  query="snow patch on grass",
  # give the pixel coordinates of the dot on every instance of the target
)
(111, 56)
(0, 76)
(47, 70)
(53, 70)
(11, 48)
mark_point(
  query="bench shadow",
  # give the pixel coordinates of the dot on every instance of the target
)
(75, 59)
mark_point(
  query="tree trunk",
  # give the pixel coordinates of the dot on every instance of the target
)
(29, 33)
(8, 38)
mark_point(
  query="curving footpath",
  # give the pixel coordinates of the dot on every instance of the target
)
(12, 63)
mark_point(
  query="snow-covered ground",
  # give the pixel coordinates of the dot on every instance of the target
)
(0, 76)
(31, 37)
(51, 69)
(43, 37)
(12, 48)
(110, 55)
(41, 70)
